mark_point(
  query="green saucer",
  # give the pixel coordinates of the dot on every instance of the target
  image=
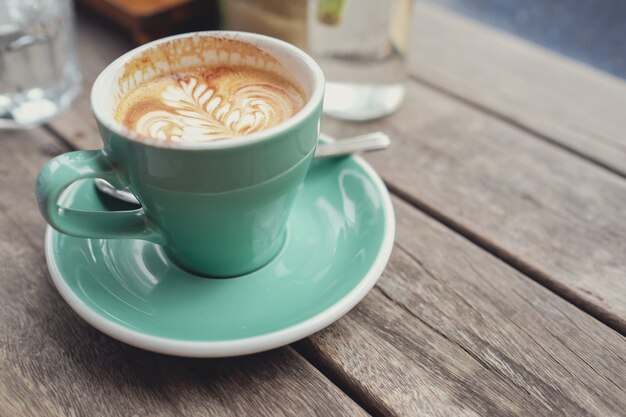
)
(339, 239)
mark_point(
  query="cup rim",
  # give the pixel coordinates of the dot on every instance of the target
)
(99, 87)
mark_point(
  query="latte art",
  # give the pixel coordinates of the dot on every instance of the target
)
(209, 104)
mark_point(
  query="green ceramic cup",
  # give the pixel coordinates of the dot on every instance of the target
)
(218, 208)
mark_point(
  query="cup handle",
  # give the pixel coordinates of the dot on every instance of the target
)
(63, 170)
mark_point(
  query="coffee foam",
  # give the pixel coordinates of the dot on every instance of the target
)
(209, 103)
(203, 89)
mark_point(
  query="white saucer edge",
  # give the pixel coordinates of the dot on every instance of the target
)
(239, 347)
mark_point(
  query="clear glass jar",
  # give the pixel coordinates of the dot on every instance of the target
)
(361, 46)
(39, 75)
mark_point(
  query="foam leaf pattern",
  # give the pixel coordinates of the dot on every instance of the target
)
(198, 113)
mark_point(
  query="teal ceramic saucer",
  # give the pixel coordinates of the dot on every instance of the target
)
(339, 239)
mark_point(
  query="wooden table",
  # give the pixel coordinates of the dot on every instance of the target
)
(505, 293)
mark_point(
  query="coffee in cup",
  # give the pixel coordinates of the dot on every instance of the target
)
(213, 132)
(210, 103)
(205, 89)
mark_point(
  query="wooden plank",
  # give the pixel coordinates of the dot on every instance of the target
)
(557, 217)
(54, 364)
(451, 330)
(565, 101)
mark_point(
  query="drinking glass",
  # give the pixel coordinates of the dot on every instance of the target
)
(360, 45)
(39, 74)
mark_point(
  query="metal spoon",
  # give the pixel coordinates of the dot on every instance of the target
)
(361, 143)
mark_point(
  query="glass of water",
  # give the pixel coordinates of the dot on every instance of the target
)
(360, 45)
(39, 74)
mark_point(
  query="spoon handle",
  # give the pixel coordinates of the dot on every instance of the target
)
(368, 142)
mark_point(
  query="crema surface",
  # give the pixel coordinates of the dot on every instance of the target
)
(209, 104)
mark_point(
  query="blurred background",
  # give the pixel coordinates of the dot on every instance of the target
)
(591, 31)
(360, 44)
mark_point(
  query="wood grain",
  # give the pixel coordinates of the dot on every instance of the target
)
(560, 99)
(557, 217)
(54, 364)
(451, 330)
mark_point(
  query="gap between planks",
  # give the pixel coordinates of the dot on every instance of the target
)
(510, 259)
(513, 122)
